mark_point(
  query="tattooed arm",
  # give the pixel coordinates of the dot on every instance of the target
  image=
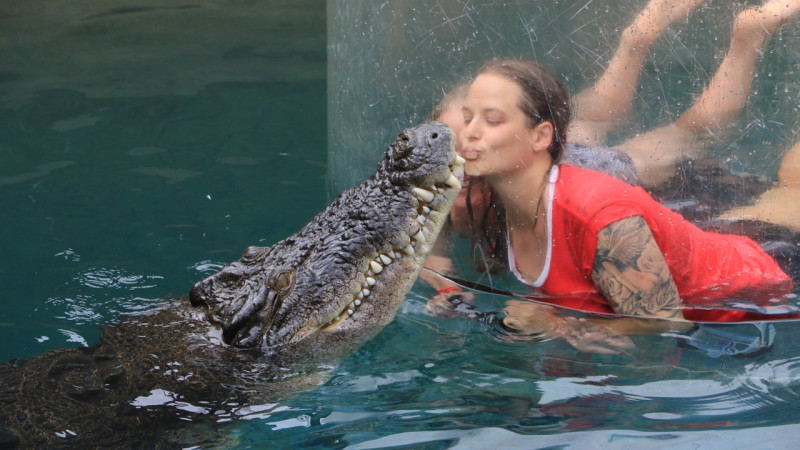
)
(631, 273)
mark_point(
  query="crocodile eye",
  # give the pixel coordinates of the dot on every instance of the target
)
(228, 276)
(255, 254)
(283, 282)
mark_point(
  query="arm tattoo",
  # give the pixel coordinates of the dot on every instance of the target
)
(631, 273)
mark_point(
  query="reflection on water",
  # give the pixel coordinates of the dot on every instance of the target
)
(772, 376)
(103, 278)
(39, 171)
(154, 48)
(452, 385)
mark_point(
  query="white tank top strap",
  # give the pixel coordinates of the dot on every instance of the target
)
(512, 263)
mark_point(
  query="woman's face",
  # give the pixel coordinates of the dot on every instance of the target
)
(454, 118)
(495, 139)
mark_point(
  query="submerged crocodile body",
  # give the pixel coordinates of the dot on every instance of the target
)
(253, 331)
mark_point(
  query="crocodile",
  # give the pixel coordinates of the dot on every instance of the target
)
(262, 327)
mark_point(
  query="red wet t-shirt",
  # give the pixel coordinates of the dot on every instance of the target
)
(706, 266)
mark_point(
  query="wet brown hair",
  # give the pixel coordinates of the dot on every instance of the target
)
(545, 98)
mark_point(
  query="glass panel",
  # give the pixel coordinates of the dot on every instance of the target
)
(389, 62)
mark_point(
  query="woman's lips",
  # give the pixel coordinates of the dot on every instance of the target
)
(470, 154)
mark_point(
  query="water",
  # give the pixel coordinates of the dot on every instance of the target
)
(145, 146)
(424, 383)
(124, 178)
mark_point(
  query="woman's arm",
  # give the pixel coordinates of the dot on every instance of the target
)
(632, 274)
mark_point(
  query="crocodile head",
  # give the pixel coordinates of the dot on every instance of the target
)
(339, 280)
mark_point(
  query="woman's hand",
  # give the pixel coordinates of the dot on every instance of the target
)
(532, 318)
(586, 336)
(452, 305)
(590, 337)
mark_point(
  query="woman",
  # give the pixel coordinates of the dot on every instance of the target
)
(611, 247)
(587, 240)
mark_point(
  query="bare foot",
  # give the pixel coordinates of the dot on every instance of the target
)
(754, 26)
(598, 108)
(778, 206)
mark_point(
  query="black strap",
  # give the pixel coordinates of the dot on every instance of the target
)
(474, 286)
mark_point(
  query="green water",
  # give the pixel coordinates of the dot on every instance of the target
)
(114, 200)
(142, 191)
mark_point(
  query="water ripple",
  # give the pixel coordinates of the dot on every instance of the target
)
(86, 309)
(207, 267)
(112, 278)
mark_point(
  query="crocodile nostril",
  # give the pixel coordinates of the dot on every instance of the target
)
(435, 136)
(197, 295)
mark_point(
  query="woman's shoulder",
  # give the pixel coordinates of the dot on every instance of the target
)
(589, 196)
(607, 160)
(585, 182)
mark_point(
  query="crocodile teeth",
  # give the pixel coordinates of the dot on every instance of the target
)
(424, 194)
(460, 160)
(453, 182)
(419, 241)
